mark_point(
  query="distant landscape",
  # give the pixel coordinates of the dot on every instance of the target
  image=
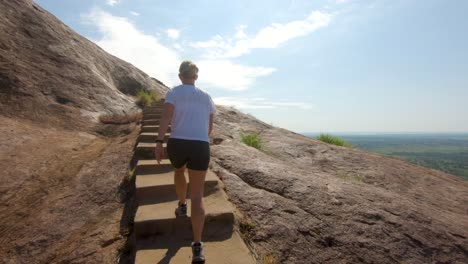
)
(445, 152)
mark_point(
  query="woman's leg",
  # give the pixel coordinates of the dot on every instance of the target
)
(197, 184)
(177, 156)
(180, 184)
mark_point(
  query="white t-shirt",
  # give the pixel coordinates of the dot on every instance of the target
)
(192, 109)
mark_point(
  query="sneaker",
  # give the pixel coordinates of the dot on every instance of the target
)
(181, 210)
(197, 253)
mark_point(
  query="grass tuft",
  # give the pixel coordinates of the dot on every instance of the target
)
(327, 138)
(146, 98)
(252, 139)
(131, 174)
(247, 228)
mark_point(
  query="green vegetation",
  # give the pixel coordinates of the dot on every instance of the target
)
(444, 152)
(453, 163)
(131, 174)
(447, 152)
(146, 98)
(252, 139)
(327, 138)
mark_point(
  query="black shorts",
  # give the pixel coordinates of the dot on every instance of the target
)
(193, 153)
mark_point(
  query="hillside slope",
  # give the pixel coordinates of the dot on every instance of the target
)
(59, 200)
(304, 201)
(49, 73)
(310, 202)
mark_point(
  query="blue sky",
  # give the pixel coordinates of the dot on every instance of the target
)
(308, 66)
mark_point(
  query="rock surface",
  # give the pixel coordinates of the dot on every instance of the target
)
(49, 73)
(310, 202)
(303, 201)
(59, 200)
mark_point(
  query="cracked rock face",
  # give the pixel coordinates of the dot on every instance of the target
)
(310, 202)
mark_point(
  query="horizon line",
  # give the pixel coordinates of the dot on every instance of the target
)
(387, 132)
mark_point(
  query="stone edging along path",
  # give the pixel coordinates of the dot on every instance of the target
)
(160, 236)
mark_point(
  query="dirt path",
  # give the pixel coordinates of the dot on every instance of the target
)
(58, 198)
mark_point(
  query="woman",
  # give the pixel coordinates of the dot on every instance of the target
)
(190, 112)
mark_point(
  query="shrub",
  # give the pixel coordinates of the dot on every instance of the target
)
(121, 119)
(146, 98)
(327, 138)
(252, 140)
(154, 96)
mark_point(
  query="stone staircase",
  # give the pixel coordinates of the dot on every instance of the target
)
(160, 236)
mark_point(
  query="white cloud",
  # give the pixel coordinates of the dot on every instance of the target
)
(267, 38)
(173, 33)
(341, 1)
(112, 2)
(240, 34)
(259, 103)
(122, 39)
(229, 75)
(178, 47)
(133, 13)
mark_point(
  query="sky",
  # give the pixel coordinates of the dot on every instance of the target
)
(329, 66)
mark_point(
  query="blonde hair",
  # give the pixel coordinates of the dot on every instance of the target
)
(188, 69)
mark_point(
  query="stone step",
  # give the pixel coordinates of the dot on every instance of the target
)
(151, 166)
(153, 108)
(157, 188)
(151, 122)
(153, 112)
(160, 218)
(151, 116)
(150, 137)
(145, 150)
(176, 250)
(146, 129)
(161, 105)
